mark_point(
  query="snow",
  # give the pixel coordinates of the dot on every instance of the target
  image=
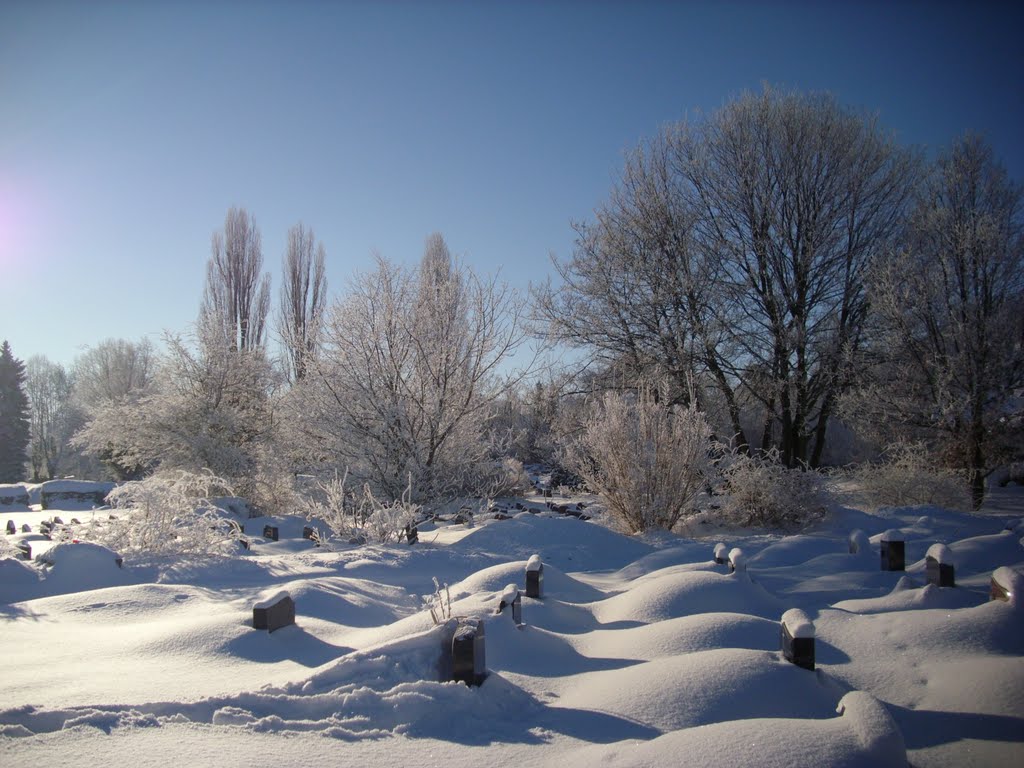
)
(797, 623)
(942, 554)
(534, 564)
(642, 653)
(893, 535)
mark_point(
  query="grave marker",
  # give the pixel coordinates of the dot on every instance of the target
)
(859, 542)
(511, 597)
(535, 577)
(721, 554)
(939, 566)
(11, 527)
(270, 532)
(276, 612)
(892, 551)
(468, 653)
(1006, 585)
(797, 636)
(737, 561)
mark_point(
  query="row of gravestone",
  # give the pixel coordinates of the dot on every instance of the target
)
(939, 567)
(464, 656)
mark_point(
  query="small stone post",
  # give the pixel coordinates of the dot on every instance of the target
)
(939, 566)
(535, 578)
(892, 551)
(797, 638)
(468, 653)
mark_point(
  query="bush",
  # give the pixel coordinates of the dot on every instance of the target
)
(168, 513)
(350, 515)
(907, 478)
(761, 491)
(647, 460)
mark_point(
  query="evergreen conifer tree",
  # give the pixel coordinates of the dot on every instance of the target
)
(14, 420)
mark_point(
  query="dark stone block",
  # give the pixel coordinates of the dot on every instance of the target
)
(535, 583)
(797, 650)
(516, 603)
(892, 555)
(11, 527)
(75, 521)
(469, 664)
(274, 615)
(519, 506)
(307, 532)
(547, 493)
(26, 550)
(270, 532)
(939, 574)
(26, 528)
(58, 521)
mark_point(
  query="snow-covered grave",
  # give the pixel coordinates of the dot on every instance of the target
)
(535, 578)
(940, 566)
(73, 494)
(642, 652)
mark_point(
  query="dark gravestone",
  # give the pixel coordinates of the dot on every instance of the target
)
(26, 550)
(1007, 585)
(798, 638)
(412, 534)
(892, 551)
(270, 532)
(75, 521)
(511, 598)
(519, 506)
(938, 565)
(721, 554)
(26, 528)
(547, 493)
(308, 533)
(469, 665)
(535, 578)
(277, 612)
(11, 527)
(58, 521)
(859, 542)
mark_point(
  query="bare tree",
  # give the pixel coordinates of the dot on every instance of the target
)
(414, 365)
(303, 299)
(113, 370)
(49, 388)
(236, 299)
(734, 250)
(950, 302)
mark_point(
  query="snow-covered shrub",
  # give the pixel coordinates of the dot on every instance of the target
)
(350, 515)
(167, 513)
(908, 478)
(761, 491)
(647, 460)
(440, 605)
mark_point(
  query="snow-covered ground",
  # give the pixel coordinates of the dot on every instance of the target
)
(642, 652)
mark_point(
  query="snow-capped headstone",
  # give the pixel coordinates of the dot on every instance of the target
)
(737, 561)
(270, 532)
(721, 554)
(939, 566)
(859, 542)
(892, 551)
(469, 664)
(1007, 585)
(510, 598)
(797, 637)
(535, 577)
(273, 613)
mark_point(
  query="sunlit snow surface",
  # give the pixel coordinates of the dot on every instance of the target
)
(643, 652)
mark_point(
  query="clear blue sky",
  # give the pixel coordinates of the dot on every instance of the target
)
(127, 129)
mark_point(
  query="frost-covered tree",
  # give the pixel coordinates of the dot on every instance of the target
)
(303, 299)
(14, 417)
(647, 459)
(111, 377)
(53, 415)
(733, 251)
(209, 408)
(412, 370)
(236, 299)
(949, 364)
